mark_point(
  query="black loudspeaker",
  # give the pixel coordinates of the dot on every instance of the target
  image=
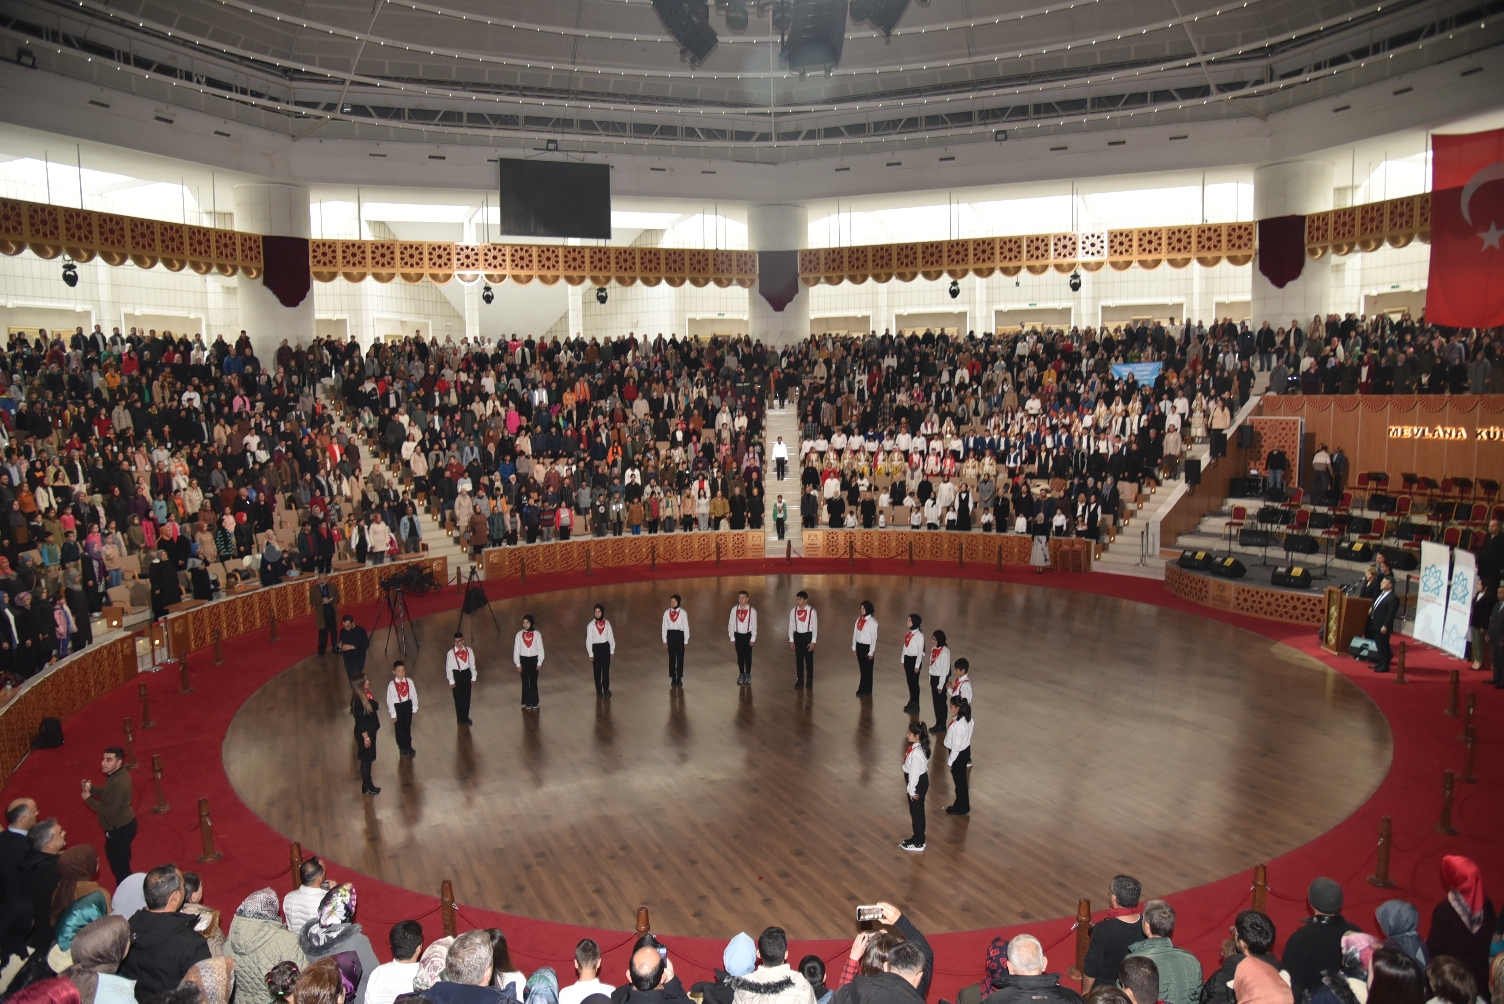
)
(1254, 538)
(1274, 515)
(689, 22)
(1194, 561)
(1360, 524)
(1193, 472)
(1382, 503)
(1229, 568)
(1292, 575)
(1364, 649)
(1401, 559)
(1219, 443)
(1357, 550)
(1321, 521)
(816, 37)
(881, 14)
(1245, 436)
(1301, 543)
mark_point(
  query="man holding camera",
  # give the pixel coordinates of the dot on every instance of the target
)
(116, 817)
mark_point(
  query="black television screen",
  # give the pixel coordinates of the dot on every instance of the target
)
(551, 198)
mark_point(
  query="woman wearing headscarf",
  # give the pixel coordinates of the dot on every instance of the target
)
(77, 868)
(431, 964)
(130, 895)
(542, 987)
(1348, 984)
(215, 979)
(257, 942)
(75, 917)
(97, 953)
(1400, 922)
(1463, 923)
(333, 930)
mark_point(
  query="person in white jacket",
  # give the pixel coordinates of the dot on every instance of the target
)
(527, 656)
(773, 982)
(600, 645)
(916, 776)
(676, 637)
(378, 539)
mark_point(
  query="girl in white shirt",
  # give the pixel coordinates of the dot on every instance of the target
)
(916, 775)
(527, 656)
(939, 670)
(958, 742)
(913, 651)
(864, 644)
(600, 645)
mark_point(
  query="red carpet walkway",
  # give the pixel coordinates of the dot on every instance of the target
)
(190, 727)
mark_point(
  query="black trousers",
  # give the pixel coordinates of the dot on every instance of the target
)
(744, 655)
(916, 808)
(780, 525)
(782, 463)
(959, 780)
(117, 850)
(461, 693)
(804, 660)
(404, 728)
(911, 673)
(365, 774)
(329, 628)
(937, 695)
(864, 667)
(1384, 655)
(530, 681)
(676, 657)
(601, 664)
(324, 563)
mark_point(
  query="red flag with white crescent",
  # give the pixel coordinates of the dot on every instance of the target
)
(1466, 284)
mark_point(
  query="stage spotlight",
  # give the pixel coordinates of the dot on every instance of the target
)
(70, 274)
(955, 288)
(551, 145)
(736, 14)
(1075, 282)
(486, 293)
(1000, 136)
(600, 295)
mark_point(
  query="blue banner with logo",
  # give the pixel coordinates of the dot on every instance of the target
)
(1142, 372)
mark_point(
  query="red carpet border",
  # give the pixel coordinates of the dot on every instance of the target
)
(190, 728)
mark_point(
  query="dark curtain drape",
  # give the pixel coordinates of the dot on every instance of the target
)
(1282, 249)
(286, 268)
(778, 277)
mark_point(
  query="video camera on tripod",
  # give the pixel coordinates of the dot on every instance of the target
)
(413, 578)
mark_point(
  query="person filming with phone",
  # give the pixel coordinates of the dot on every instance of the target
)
(650, 976)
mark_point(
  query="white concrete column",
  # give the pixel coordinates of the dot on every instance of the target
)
(778, 228)
(577, 310)
(272, 211)
(1293, 188)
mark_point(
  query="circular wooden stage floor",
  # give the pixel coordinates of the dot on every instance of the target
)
(1110, 736)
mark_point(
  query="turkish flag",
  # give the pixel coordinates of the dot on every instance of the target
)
(1466, 285)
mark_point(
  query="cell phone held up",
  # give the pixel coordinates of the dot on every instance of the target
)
(867, 914)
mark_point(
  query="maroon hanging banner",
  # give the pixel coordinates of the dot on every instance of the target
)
(1282, 249)
(778, 277)
(286, 268)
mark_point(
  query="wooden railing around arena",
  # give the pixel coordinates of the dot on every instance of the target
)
(62, 689)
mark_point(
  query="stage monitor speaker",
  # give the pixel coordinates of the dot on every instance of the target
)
(880, 14)
(1245, 436)
(1291, 575)
(689, 22)
(1382, 503)
(1194, 561)
(1229, 568)
(1401, 559)
(816, 37)
(1364, 649)
(1193, 472)
(1301, 543)
(1360, 524)
(1219, 443)
(1254, 538)
(1356, 550)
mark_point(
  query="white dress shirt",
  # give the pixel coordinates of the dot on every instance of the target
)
(390, 981)
(940, 662)
(522, 647)
(915, 766)
(579, 990)
(393, 697)
(746, 626)
(864, 632)
(674, 619)
(809, 625)
(598, 632)
(460, 660)
(957, 738)
(960, 685)
(913, 646)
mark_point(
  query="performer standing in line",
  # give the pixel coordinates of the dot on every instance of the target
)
(804, 632)
(960, 682)
(864, 644)
(958, 742)
(402, 704)
(741, 627)
(527, 656)
(913, 651)
(675, 636)
(459, 670)
(367, 723)
(939, 670)
(600, 645)
(916, 776)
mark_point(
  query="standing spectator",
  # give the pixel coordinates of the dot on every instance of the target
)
(1462, 924)
(1316, 945)
(39, 878)
(116, 817)
(1111, 939)
(20, 817)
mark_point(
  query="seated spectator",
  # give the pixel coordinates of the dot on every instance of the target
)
(899, 982)
(319, 983)
(650, 975)
(129, 895)
(1450, 982)
(1026, 980)
(813, 969)
(257, 942)
(431, 964)
(504, 975)
(1253, 933)
(333, 930)
(214, 978)
(1400, 922)
(393, 979)
(206, 919)
(164, 945)
(1316, 946)
(1462, 924)
(97, 952)
(587, 967)
(1394, 977)
(302, 904)
(467, 973)
(281, 981)
(1179, 972)
(1111, 938)
(773, 982)
(739, 958)
(869, 951)
(1138, 977)
(1349, 985)
(77, 870)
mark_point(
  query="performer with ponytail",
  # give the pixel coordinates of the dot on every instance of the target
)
(916, 775)
(958, 743)
(367, 722)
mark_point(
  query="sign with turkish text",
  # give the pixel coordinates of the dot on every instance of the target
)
(1144, 373)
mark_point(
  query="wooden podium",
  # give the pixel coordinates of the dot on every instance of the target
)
(1346, 617)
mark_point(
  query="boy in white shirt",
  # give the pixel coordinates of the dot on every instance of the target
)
(395, 978)
(587, 964)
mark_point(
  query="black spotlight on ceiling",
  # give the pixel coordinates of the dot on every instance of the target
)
(736, 14)
(880, 14)
(487, 294)
(70, 274)
(1075, 282)
(600, 295)
(783, 17)
(955, 288)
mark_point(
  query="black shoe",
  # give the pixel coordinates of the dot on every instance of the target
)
(937, 730)
(467, 722)
(370, 791)
(799, 685)
(951, 810)
(410, 753)
(1378, 670)
(911, 707)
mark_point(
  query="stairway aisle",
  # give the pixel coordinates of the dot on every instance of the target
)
(1122, 555)
(783, 422)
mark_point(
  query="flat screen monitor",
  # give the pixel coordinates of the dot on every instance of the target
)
(551, 198)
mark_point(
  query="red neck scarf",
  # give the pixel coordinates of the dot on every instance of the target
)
(912, 748)
(935, 654)
(907, 637)
(402, 689)
(861, 622)
(741, 615)
(673, 615)
(527, 639)
(600, 626)
(462, 657)
(802, 613)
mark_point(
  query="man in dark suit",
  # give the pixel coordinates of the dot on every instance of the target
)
(19, 817)
(1496, 640)
(353, 642)
(323, 596)
(1381, 621)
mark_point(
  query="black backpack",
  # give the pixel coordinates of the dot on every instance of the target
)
(49, 736)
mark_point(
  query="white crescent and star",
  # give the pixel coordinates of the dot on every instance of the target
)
(1492, 172)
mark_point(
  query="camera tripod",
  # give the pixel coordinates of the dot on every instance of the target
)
(465, 591)
(398, 620)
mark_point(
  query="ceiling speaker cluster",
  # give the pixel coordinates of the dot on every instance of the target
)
(689, 22)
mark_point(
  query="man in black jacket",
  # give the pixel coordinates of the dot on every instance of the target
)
(1316, 945)
(907, 969)
(164, 945)
(37, 878)
(651, 977)
(20, 817)
(1026, 981)
(1380, 624)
